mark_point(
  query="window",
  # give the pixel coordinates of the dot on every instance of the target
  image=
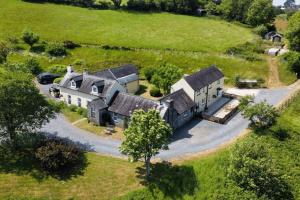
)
(219, 82)
(79, 102)
(95, 89)
(203, 101)
(69, 99)
(93, 113)
(73, 84)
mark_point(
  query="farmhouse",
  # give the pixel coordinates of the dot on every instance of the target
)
(80, 89)
(203, 87)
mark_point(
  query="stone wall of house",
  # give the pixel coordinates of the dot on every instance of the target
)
(75, 95)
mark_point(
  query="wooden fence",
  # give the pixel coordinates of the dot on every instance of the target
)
(287, 101)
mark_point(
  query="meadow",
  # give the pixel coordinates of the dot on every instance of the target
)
(110, 178)
(120, 28)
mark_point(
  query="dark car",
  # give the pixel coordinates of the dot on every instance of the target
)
(46, 77)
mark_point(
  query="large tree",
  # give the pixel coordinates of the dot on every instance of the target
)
(117, 3)
(251, 168)
(165, 76)
(4, 51)
(293, 32)
(261, 115)
(260, 12)
(23, 109)
(146, 135)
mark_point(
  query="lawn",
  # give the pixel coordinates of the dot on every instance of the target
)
(286, 75)
(95, 59)
(120, 28)
(109, 178)
(103, 178)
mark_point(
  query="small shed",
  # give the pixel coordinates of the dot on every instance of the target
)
(273, 51)
(276, 38)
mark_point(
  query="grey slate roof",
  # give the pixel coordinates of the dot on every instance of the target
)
(117, 72)
(88, 81)
(98, 104)
(204, 77)
(182, 102)
(125, 104)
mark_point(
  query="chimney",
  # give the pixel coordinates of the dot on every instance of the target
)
(69, 69)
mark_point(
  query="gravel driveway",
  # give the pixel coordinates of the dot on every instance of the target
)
(197, 136)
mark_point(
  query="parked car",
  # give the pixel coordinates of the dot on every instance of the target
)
(46, 77)
(54, 90)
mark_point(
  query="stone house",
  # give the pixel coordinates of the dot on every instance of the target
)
(80, 89)
(203, 87)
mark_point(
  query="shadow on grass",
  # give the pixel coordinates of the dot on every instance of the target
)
(21, 160)
(173, 181)
(142, 90)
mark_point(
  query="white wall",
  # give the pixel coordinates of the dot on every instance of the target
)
(85, 98)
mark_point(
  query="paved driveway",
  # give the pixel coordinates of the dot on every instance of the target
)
(195, 137)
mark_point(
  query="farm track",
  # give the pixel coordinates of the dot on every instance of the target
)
(273, 80)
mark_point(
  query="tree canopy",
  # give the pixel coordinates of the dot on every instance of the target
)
(293, 32)
(146, 135)
(23, 109)
(30, 38)
(261, 115)
(260, 12)
(165, 76)
(251, 168)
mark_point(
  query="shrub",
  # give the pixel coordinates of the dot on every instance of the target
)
(30, 38)
(58, 69)
(38, 48)
(82, 112)
(56, 50)
(293, 60)
(73, 108)
(261, 30)
(149, 72)
(155, 92)
(33, 66)
(70, 45)
(57, 155)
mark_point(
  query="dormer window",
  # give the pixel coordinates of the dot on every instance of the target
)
(73, 84)
(95, 89)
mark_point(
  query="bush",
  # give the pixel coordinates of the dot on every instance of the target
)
(261, 30)
(56, 50)
(58, 69)
(57, 155)
(70, 45)
(293, 60)
(38, 48)
(33, 66)
(149, 72)
(82, 112)
(247, 51)
(155, 92)
(30, 38)
(72, 108)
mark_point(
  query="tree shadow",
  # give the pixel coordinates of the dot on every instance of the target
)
(142, 90)
(174, 181)
(20, 159)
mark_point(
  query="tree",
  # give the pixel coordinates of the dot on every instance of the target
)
(30, 38)
(146, 135)
(117, 3)
(4, 51)
(260, 12)
(23, 109)
(245, 101)
(33, 66)
(293, 32)
(251, 168)
(165, 76)
(289, 4)
(261, 115)
(292, 59)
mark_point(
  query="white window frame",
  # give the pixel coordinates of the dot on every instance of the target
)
(94, 89)
(73, 84)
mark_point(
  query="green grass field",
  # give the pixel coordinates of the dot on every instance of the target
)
(109, 178)
(120, 28)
